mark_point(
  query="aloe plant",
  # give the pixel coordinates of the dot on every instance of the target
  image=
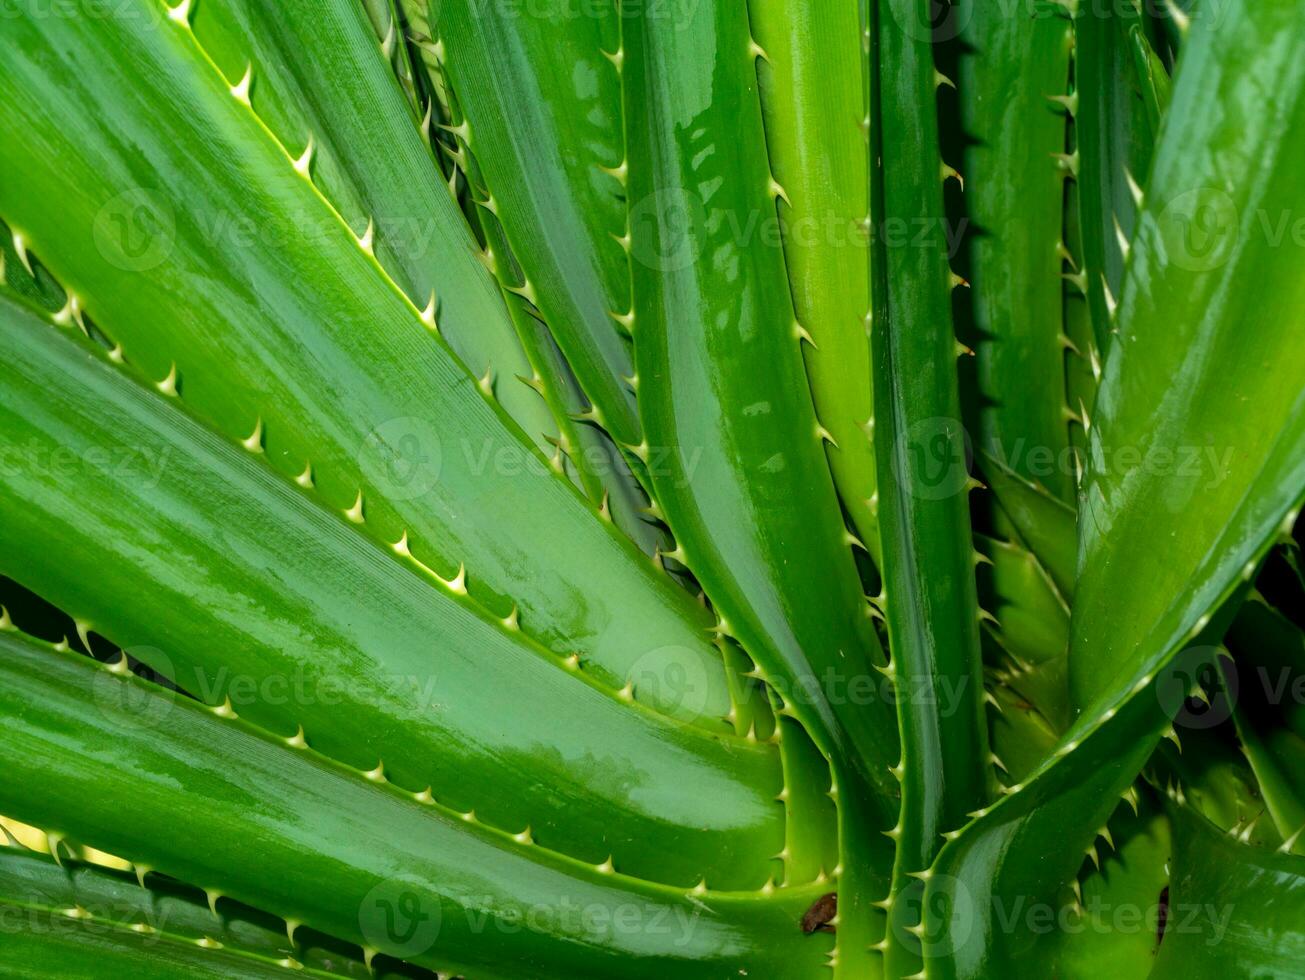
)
(712, 489)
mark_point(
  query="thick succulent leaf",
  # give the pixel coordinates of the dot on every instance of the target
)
(236, 585)
(70, 919)
(1277, 757)
(1021, 736)
(1031, 614)
(215, 801)
(813, 95)
(22, 275)
(586, 450)
(1114, 149)
(318, 73)
(1127, 624)
(387, 22)
(931, 603)
(1015, 196)
(1264, 684)
(295, 338)
(811, 837)
(48, 944)
(1235, 911)
(1032, 626)
(1105, 922)
(1024, 850)
(1270, 652)
(1082, 361)
(1210, 773)
(1205, 388)
(1045, 523)
(743, 480)
(542, 112)
(1107, 926)
(1153, 78)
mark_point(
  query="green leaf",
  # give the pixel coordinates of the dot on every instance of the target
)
(318, 73)
(1234, 912)
(1271, 649)
(1177, 443)
(1154, 82)
(387, 22)
(542, 112)
(1265, 684)
(1113, 153)
(215, 801)
(931, 603)
(743, 478)
(1045, 524)
(1153, 590)
(1032, 626)
(295, 338)
(73, 919)
(1015, 195)
(1021, 736)
(586, 449)
(1210, 775)
(23, 276)
(258, 598)
(1025, 850)
(1107, 925)
(813, 99)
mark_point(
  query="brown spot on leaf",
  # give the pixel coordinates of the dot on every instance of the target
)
(821, 913)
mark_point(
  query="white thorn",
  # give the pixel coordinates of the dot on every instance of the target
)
(428, 314)
(457, 584)
(355, 513)
(368, 239)
(1133, 188)
(71, 311)
(169, 384)
(241, 89)
(255, 441)
(180, 14)
(304, 164)
(20, 247)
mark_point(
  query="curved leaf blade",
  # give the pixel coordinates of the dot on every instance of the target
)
(372, 408)
(264, 601)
